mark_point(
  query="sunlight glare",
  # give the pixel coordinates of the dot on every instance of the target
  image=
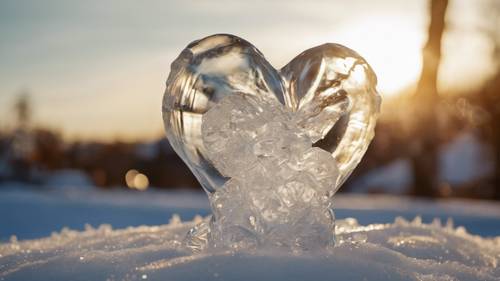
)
(390, 44)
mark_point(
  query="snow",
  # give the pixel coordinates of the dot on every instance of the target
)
(392, 178)
(32, 212)
(461, 161)
(379, 247)
(68, 178)
(399, 251)
(465, 159)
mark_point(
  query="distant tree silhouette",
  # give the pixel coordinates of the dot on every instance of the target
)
(425, 147)
(21, 144)
(490, 95)
(22, 108)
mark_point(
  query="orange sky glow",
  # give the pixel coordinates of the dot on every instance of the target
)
(98, 71)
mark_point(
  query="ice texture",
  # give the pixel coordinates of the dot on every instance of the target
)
(278, 192)
(330, 89)
(269, 147)
(398, 251)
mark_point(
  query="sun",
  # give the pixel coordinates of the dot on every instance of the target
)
(391, 45)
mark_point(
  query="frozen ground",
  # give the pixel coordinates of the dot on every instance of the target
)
(380, 247)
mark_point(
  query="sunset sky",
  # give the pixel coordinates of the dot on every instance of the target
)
(97, 69)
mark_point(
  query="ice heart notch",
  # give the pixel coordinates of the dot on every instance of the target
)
(279, 140)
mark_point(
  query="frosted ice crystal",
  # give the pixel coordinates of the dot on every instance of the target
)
(278, 188)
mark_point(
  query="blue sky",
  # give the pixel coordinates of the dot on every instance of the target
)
(97, 69)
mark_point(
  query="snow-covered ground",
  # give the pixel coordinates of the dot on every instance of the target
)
(463, 160)
(30, 212)
(376, 245)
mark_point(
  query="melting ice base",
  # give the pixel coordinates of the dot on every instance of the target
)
(279, 188)
(402, 250)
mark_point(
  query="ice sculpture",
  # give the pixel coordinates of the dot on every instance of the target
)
(269, 147)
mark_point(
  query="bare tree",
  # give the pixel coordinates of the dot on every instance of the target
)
(425, 148)
(490, 95)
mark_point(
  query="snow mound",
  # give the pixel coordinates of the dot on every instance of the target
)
(401, 250)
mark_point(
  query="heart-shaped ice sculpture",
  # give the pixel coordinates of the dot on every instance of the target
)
(270, 147)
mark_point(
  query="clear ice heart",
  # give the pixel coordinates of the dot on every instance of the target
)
(269, 147)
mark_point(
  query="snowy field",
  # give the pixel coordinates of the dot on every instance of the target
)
(87, 234)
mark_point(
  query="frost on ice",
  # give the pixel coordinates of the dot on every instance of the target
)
(279, 188)
(402, 250)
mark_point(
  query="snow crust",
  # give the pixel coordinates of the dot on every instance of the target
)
(368, 250)
(401, 250)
